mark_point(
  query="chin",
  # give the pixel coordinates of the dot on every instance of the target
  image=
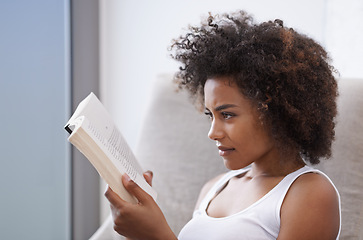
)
(233, 165)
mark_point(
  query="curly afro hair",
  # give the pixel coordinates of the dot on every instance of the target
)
(286, 75)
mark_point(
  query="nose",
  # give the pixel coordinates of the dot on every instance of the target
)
(216, 130)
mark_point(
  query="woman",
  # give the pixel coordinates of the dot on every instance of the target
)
(271, 96)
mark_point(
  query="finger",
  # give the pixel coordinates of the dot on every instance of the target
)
(134, 189)
(116, 213)
(114, 199)
(148, 175)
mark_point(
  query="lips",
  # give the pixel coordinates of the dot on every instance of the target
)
(225, 151)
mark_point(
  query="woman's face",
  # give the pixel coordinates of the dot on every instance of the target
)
(236, 128)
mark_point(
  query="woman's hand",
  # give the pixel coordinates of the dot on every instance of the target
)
(143, 220)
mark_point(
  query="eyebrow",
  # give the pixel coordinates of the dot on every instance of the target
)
(223, 107)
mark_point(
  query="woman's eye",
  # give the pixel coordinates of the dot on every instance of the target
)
(208, 114)
(227, 115)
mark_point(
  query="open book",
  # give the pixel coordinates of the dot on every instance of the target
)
(93, 133)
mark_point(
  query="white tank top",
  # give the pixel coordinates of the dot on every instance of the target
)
(259, 221)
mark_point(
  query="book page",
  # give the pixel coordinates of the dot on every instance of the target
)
(97, 122)
(117, 148)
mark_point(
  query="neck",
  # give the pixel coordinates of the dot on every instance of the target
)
(277, 166)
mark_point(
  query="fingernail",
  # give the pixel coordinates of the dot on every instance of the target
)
(127, 178)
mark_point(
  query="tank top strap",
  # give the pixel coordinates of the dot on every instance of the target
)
(218, 186)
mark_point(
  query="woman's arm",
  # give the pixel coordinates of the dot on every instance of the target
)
(310, 210)
(143, 220)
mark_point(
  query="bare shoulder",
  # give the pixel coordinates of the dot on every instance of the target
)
(310, 209)
(207, 186)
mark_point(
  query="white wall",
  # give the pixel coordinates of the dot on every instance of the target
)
(136, 34)
(343, 35)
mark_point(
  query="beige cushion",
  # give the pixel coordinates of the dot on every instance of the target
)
(345, 167)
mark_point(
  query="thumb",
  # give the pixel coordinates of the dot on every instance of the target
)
(134, 189)
(148, 175)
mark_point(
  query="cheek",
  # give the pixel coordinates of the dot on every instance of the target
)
(243, 130)
(251, 138)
